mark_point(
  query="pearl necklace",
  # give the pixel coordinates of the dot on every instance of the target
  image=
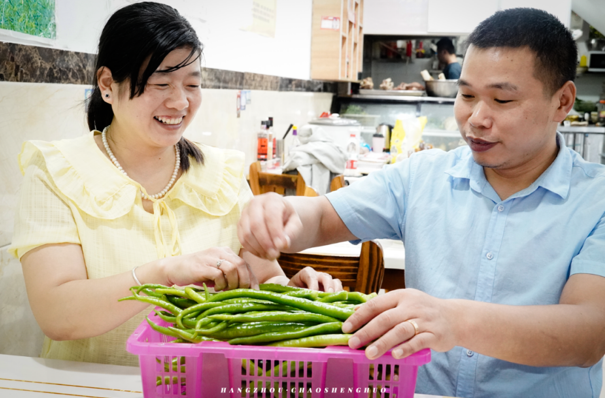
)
(158, 195)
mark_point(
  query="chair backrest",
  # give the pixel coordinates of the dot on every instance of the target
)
(261, 182)
(362, 274)
(337, 183)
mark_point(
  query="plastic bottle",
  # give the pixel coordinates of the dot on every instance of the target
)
(352, 154)
(295, 141)
(261, 146)
(269, 143)
(272, 134)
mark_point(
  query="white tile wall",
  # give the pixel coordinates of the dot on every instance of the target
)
(53, 111)
(19, 332)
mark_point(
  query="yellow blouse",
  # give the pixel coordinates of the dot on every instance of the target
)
(72, 193)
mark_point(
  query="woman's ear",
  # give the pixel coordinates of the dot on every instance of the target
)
(105, 82)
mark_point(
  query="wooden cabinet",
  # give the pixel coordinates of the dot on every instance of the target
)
(337, 40)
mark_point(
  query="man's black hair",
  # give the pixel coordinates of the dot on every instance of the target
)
(551, 42)
(447, 45)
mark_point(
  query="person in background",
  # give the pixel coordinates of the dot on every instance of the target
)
(133, 202)
(446, 53)
(504, 238)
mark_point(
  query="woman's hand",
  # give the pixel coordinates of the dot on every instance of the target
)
(218, 265)
(387, 319)
(310, 279)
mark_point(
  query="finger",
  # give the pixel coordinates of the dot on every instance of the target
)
(326, 281)
(253, 279)
(259, 217)
(231, 274)
(278, 211)
(247, 239)
(401, 332)
(309, 277)
(292, 226)
(369, 310)
(337, 285)
(243, 272)
(227, 254)
(378, 327)
(415, 344)
(219, 279)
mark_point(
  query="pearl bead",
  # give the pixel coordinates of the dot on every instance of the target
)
(163, 192)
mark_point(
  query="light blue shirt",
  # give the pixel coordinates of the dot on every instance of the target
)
(463, 242)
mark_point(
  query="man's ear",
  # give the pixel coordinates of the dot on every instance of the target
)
(565, 98)
(105, 82)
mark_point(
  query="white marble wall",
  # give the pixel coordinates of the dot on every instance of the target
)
(56, 111)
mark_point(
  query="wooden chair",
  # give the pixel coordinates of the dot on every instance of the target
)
(337, 183)
(362, 274)
(261, 182)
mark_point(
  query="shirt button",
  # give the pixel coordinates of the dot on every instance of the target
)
(469, 353)
(489, 255)
(500, 208)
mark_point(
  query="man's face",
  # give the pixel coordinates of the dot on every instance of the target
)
(501, 108)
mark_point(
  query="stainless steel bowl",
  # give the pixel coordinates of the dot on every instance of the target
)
(442, 88)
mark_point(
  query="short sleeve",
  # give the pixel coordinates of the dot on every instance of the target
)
(375, 207)
(42, 217)
(591, 259)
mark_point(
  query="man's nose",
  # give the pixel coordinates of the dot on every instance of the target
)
(481, 116)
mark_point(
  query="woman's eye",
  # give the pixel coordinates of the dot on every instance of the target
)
(194, 85)
(467, 96)
(502, 101)
(161, 85)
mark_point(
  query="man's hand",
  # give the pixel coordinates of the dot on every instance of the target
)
(386, 317)
(267, 225)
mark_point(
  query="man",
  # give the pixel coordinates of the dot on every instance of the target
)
(446, 53)
(505, 237)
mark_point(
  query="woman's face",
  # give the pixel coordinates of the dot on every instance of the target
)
(161, 114)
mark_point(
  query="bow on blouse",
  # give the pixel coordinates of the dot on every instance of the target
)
(174, 247)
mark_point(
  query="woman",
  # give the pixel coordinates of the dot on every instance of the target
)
(134, 202)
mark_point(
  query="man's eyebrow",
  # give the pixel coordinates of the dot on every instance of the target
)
(501, 86)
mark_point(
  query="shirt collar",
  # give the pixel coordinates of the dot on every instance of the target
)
(556, 179)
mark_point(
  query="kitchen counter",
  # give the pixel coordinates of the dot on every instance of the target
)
(25, 377)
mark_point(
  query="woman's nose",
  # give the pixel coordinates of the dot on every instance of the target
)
(178, 99)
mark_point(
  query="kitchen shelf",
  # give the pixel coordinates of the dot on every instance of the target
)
(408, 99)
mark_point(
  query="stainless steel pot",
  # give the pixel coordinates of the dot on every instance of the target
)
(442, 88)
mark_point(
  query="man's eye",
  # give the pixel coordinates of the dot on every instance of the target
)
(502, 101)
(194, 85)
(467, 96)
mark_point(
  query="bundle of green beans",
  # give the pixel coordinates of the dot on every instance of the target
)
(275, 315)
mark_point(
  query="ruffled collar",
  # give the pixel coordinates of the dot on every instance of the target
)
(82, 172)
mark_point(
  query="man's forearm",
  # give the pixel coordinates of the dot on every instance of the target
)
(321, 224)
(548, 335)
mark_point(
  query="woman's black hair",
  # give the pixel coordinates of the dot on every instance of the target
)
(132, 35)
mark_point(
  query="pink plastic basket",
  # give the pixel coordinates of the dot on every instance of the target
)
(217, 369)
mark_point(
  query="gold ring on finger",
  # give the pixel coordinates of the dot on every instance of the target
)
(415, 325)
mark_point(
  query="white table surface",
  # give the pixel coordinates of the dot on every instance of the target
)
(25, 377)
(392, 250)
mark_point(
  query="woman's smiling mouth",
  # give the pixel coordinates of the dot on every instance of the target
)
(169, 120)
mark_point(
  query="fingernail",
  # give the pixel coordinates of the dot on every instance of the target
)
(273, 253)
(277, 242)
(371, 352)
(347, 327)
(354, 342)
(397, 353)
(287, 240)
(330, 290)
